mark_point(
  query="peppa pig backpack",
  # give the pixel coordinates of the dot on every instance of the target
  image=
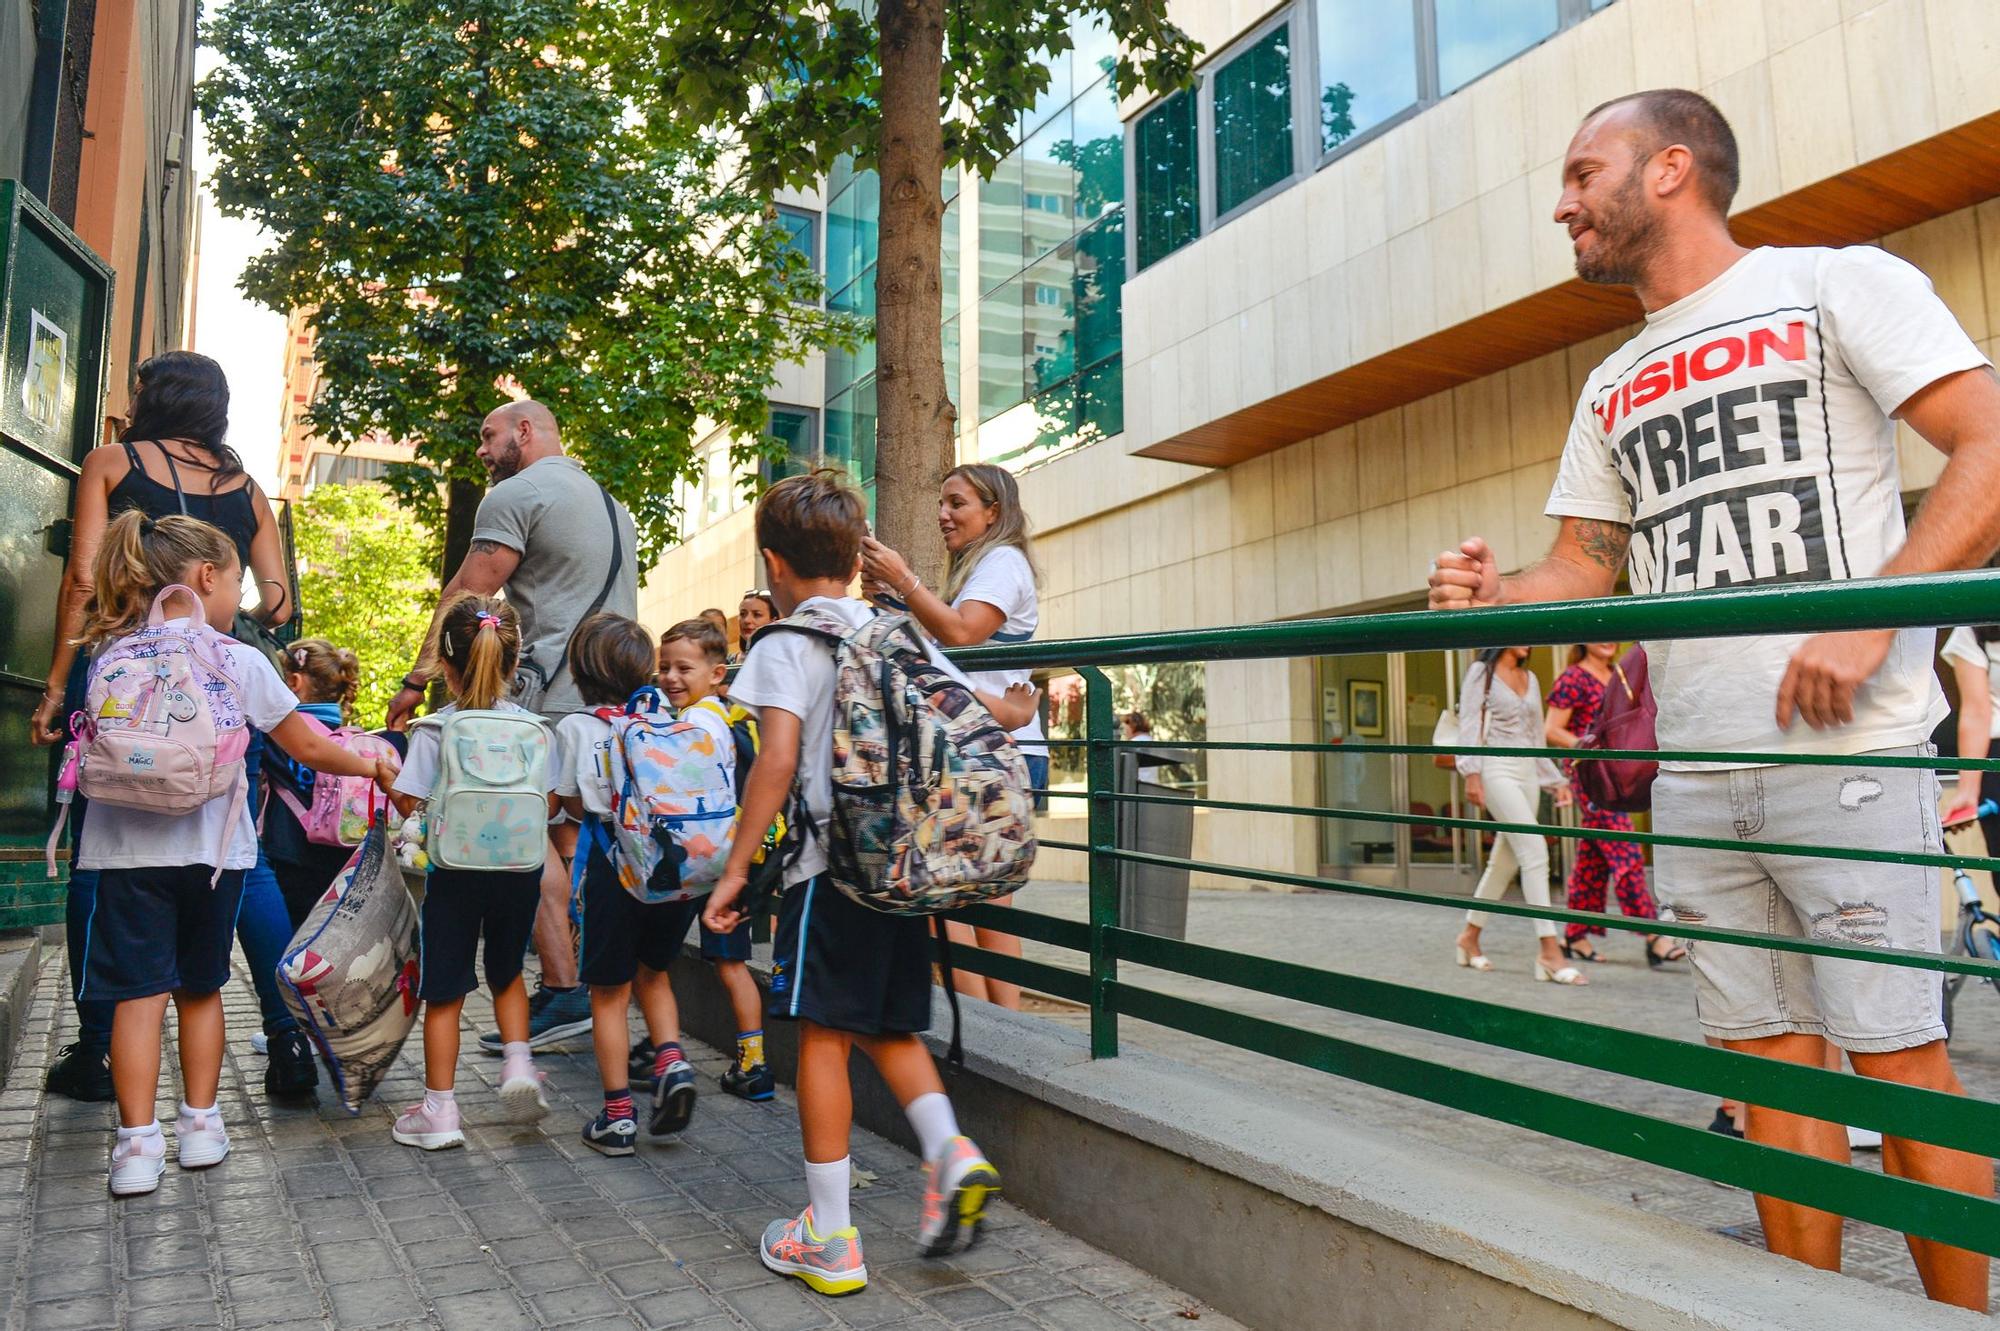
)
(490, 806)
(342, 807)
(162, 727)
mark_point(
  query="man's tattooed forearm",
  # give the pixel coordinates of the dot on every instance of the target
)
(485, 548)
(1604, 542)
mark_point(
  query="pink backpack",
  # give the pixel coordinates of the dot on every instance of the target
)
(162, 727)
(343, 807)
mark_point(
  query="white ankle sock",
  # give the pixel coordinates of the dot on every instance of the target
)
(188, 1111)
(935, 1123)
(149, 1130)
(517, 1051)
(437, 1100)
(826, 1189)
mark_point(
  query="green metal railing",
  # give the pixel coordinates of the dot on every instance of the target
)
(1104, 943)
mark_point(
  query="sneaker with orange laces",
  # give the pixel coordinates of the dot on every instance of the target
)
(957, 1186)
(828, 1263)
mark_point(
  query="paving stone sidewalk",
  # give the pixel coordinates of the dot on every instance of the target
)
(320, 1220)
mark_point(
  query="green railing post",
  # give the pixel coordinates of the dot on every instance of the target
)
(1101, 780)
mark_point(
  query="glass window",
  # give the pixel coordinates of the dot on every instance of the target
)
(1000, 204)
(850, 433)
(1367, 66)
(1100, 401)
(1474, 36)
(948, 263)
(1001, 343)
(1048, 187)
(1048, 321)
(1253, 120)
(852, 222)
(1098, 287)
(1164, 179)
(1095, 48)
(1054, 97)
(793, 428)
(804, 229)
(1097, 154)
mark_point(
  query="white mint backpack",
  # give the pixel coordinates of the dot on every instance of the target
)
(490, 806)
(162, 728)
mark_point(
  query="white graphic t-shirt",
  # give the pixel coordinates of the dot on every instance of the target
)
(1745, 436)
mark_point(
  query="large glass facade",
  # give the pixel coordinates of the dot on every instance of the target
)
(1367, 66)
(1475, 36)
(1253, 120)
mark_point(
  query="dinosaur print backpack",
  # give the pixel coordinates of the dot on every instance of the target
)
(490, 806)
(673, 806)
(931, 809)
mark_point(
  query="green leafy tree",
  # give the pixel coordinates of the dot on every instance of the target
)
(484, 195)
(368, 581)
(909, 90)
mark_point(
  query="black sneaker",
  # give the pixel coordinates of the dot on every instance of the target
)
(81, 1073)
(639, 1065)
(1724, 1124)
(292, 1071)
(611, 1136)
(752, 1083)
(673, 1099)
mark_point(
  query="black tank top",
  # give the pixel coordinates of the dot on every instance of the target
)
(232, 510)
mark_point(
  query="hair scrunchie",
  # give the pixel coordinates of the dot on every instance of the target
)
(488, 620)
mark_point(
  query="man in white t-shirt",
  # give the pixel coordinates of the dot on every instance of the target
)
(1744, 437)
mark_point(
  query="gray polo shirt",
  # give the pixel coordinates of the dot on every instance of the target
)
(552, 513)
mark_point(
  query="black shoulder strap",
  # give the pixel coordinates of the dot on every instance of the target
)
(175, 472)
(610, 576)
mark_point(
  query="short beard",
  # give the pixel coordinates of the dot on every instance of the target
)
(1627, 238)
(505, 463)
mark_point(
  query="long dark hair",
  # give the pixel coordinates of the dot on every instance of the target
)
(184, 395)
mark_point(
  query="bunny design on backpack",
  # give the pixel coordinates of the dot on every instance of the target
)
(162, 728)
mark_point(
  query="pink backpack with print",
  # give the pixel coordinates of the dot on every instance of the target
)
(343, 807)
(162, 727)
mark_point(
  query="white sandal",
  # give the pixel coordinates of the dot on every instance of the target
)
(1475, 960)
(1560, 975)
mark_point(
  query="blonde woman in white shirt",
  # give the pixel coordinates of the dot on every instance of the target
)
(989, 596)
(1501, 707)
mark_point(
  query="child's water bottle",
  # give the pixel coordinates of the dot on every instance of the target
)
(65, 796)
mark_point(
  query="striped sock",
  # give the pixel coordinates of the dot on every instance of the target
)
(618, 1104)
(669, 1054)
(749, 1049)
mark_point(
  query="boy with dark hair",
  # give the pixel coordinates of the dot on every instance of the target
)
(850, 976)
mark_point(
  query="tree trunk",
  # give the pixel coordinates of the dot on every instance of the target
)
(461, 506)
(914, 414)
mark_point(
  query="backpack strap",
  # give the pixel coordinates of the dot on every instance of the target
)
(610, 580)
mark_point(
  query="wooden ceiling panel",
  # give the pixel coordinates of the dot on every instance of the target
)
(1943, 174)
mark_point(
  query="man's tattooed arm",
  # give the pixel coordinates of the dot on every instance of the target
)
(1585, 562)
(1603, 543)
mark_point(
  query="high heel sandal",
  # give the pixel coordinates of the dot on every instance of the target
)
(1655, 960)
(1569, 950)
(1473, 960)
(1559, 975)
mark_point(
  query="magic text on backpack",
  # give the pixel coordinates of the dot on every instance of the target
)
(673, 808)
(931, 809)
(342, 807)
(162, 728)
(490, 806)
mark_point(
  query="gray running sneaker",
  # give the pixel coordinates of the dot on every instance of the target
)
(554, 1015)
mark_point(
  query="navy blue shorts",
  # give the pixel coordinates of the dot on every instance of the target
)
(158, 930)
(462, 906)
(841, 965)
(622, 933)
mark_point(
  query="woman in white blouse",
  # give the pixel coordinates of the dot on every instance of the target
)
(989, 596)
(1500, 706)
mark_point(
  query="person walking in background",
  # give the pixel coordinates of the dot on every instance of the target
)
(755, 611)
(172, 459)
(1860, 336)
(1573, 707)
(1976, 669)
(1501, 707)
(990, 596)
(562, 548)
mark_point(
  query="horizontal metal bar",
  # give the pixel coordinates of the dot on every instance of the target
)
(1935, 763)
(1037, 975)
(1047, 843)
(1050, 929)
(1060, 794)
(1957, 1121)
(1887, 956)
(1920, 858)
(1862, 603)
(1913, 1208)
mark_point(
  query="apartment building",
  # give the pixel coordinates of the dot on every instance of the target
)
(1340, 330)
(304, 458)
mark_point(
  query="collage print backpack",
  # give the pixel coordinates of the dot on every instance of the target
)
(162, 727)
(490, 806)
(931, 809)
(673, 801)
(343, 807)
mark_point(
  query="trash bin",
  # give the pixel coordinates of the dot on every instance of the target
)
(1152, 898)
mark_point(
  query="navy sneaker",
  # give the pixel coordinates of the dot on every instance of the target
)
(81, 1072)
(752, 1083)
(554, 1015)
(611, 1136)
(673, 1099)
(639, 1064)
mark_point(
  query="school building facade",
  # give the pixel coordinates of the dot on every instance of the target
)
(1338, 329)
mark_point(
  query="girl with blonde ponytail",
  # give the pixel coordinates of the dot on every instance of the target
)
(478, 649)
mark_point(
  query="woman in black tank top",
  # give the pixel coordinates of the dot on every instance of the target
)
(171, 459)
